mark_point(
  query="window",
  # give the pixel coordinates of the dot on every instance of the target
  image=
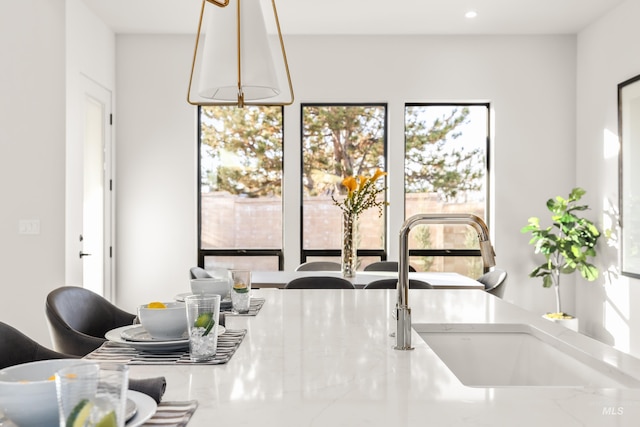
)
(339, 140)
(241, 173)
(241, 158)
(446, 151)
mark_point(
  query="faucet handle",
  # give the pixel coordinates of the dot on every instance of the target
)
(488, 254)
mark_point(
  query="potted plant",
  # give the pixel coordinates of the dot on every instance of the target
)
(567, 244)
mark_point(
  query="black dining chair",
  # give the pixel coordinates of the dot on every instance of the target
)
(392, 284)
(319, 266)
(17, 348)
(319, 282)
(494, 281)
(385, 266)
(79, 319)
(199, 273)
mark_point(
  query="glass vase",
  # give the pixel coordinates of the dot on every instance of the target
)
(349, 244)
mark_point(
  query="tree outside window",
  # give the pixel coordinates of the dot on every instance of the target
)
(339, 141)
(446, 171)
(241, 158)
(241, 164)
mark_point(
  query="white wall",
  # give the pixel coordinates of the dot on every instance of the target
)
(530, 82)
(607, 54)
(46, 45)
(155, 168)
(32, 141)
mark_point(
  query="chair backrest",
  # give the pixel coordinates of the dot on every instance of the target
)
(393, 284)
(79, 319)
(385, 266)
(319, 282)
(319, 266)
(494, 281)
(17, 348)
(199, 273)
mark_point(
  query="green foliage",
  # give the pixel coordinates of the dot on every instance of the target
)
(245, 145)
(434, 162)
(245, 149)
(567, 244)
(340, 141)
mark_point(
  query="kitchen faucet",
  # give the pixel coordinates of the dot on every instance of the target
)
(403, 311)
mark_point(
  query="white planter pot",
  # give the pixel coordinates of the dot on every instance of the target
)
(571, 323)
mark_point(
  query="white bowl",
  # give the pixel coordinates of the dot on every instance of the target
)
(168, 323)
(213, 286)
(28, 391)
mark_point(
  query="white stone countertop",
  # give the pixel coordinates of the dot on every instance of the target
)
(325, 358)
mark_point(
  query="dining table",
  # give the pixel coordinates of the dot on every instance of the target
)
(327, 358)
(439, 280)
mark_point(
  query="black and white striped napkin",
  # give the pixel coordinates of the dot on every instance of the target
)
(173, 414)
(228, 343)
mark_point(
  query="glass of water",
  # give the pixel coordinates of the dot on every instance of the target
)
(240, 290)
(92, 394)
(203, 311)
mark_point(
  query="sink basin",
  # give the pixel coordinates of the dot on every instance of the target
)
(502, 355)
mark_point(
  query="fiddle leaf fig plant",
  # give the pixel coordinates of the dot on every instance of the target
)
(568, 244)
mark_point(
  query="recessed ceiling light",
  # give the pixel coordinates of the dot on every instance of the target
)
(471, 14)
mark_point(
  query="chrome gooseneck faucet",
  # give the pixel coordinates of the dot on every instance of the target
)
(403, 311)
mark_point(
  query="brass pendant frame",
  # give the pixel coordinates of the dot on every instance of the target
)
(241, 101)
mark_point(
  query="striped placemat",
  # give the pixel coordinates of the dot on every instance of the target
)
(228, 343)
(173, 414)
(254, 307)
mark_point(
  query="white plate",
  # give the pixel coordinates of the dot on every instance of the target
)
(146, 408)
(140, 334)
(115, 335)
(225, 302)
(180, 297)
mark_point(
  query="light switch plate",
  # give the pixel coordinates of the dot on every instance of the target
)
(29, 226)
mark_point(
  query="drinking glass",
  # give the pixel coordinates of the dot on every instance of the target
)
(240, 290)
(203, 312)
(91, 394)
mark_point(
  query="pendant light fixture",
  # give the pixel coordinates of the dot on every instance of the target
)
(239, 57)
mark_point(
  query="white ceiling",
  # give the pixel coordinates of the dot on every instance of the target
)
(371, 16)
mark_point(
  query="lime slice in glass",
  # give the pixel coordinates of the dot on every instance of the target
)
(206, 321)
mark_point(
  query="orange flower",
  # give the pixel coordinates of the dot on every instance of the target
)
(378, 174)
(350, 183)
(362, 194)
(363, 181)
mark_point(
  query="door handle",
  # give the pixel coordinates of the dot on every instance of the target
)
(82, 254)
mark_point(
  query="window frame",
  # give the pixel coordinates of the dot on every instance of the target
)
(454, 252)
(204, 253)
(336, 253)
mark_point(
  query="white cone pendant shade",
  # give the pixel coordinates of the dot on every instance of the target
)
(239, 59)
(219, 78)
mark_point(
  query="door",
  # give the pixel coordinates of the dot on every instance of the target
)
(90, 198)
